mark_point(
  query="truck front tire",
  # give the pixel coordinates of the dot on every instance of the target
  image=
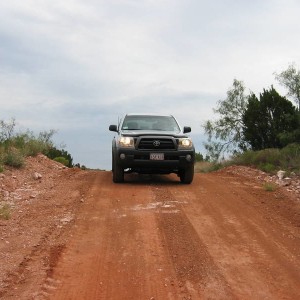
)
(187, 175)
(118, 172)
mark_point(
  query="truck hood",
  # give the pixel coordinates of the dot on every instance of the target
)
(137, 133)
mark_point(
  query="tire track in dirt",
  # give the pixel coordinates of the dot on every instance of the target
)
(116, 250)
(194, 267)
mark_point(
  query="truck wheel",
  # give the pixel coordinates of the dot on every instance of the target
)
(187, 175)
(118, 172)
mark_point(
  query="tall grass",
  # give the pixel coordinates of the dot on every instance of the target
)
(14, 158)
(268, 160)
(271, 160)
(14, 147)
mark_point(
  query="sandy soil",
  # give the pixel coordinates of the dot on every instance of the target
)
(75, 235)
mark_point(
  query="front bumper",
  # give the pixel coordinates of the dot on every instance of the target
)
(139, 161)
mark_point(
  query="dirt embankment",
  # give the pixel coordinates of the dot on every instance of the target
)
(43, 200)
(75, 235)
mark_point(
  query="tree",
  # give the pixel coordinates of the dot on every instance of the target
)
(226, 133)
(53, 153)
(198, 157)
(7, 130)
(290, 79)
(269, 121)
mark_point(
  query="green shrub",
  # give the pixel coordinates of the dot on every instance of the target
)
(1, 158)
(247, 158)
(34, 147)
(14, 147)
(198, 157)
(62, 160)
(268, 156)
(290, 157)
(271, 160)
(267, 167)
(19, 141)
(269, 187)
(28, 144)
(13, 158)
(292, 150)
(206, 167)
(4, 212)
(53, 152)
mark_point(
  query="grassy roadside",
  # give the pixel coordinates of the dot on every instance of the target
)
(268, 160)
(16, 146)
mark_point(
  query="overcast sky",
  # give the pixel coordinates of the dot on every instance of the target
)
(75, 65)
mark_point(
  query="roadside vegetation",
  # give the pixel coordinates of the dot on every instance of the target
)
(16, 146)
(271, 160)
(261, 131)
(267, 160)
(269, 187)
(4, 211)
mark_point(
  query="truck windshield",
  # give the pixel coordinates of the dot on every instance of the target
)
(163, 123)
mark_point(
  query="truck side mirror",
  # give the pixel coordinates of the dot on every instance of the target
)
(113, 128)
(186, 129)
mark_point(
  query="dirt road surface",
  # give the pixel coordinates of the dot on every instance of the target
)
(222, 237)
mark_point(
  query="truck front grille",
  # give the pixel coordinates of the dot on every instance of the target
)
(156, 144)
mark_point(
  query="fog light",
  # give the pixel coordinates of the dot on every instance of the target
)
(122, 156)
(188, 157)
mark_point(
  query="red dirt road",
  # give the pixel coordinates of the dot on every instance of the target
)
(75, 235)
(222, 237)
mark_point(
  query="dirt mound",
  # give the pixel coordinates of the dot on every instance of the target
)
(290, 184)
(41, 200)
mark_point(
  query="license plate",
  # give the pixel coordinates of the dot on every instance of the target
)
(157, 156)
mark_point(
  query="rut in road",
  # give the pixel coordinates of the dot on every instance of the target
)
(192, 263)
(158, 239)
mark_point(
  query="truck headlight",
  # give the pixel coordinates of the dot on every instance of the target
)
(185, 143)
(126, 141)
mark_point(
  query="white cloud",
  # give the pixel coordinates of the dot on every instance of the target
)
(76, 65)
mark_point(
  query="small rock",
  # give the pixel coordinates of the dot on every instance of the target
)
(37, 176)
(280, 174)
(286, 182)
(67, 219)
